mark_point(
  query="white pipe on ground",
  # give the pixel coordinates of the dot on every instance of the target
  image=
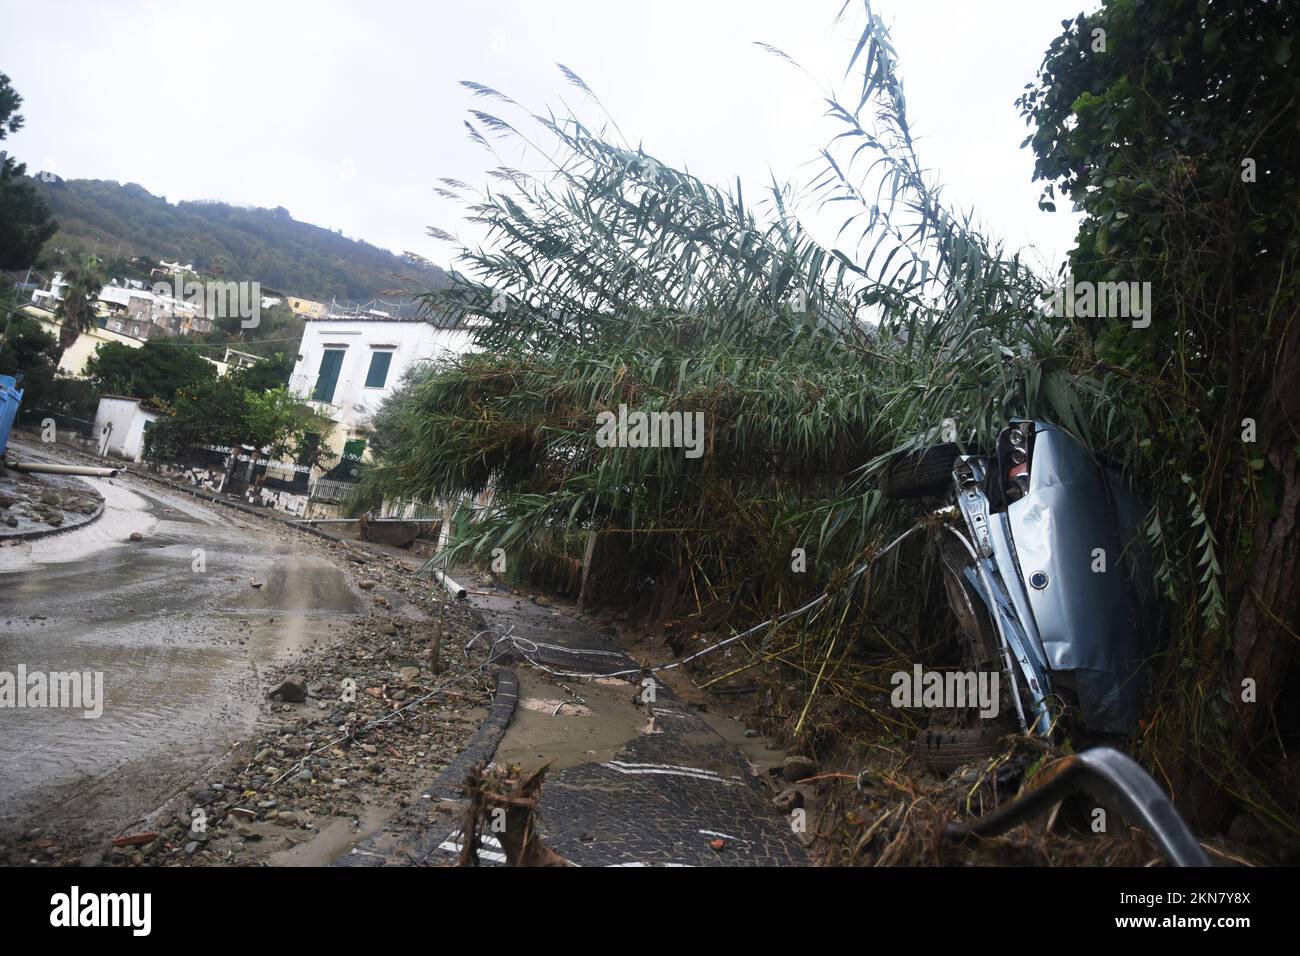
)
(449, 584)
(37, 467)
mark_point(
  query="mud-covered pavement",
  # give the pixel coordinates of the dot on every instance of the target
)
(190, 625)
(635, 774)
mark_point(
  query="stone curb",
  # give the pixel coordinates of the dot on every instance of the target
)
(484, 742)
(46, 532)
(378, 848)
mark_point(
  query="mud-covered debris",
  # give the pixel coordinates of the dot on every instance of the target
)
(788, 800)
(292, 690)
(135, 839)
(798, 768)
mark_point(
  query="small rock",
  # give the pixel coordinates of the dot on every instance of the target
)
(292, 690)
(798, 768)
(136, 536)
(365, 585)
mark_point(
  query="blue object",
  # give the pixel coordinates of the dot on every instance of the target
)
(11, 396)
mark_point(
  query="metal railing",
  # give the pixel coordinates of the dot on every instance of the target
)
(329, 490)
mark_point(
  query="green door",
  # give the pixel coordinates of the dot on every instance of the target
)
(328, 377)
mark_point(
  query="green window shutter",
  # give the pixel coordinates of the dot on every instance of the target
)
(378, 374)
(328, 377)
(354, 448)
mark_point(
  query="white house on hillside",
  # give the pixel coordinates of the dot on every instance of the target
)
(350, 360)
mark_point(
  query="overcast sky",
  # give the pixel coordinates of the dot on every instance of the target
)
(347, 112)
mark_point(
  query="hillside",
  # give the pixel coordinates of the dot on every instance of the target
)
(266, 245)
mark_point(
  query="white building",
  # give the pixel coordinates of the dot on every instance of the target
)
(350, 361)
(232, 360)
(132, 309)
(120, 423)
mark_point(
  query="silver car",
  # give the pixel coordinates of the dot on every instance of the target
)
(1038, 546)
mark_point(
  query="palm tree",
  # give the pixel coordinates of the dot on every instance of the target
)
(76, 311)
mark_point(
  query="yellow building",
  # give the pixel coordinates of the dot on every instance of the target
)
(305, 307)
(74, 359)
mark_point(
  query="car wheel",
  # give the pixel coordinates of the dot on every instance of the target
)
(943, 751)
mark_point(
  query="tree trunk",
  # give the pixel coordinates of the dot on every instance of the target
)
(1266, 620)
(1268, 617)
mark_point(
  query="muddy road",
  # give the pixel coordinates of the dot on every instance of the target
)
(181, 624)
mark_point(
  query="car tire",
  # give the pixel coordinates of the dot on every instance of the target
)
(922, 474)
(943, 751)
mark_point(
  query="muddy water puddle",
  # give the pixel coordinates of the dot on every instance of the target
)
(594, 731)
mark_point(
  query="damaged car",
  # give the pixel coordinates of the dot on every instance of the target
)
(1038, 546)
